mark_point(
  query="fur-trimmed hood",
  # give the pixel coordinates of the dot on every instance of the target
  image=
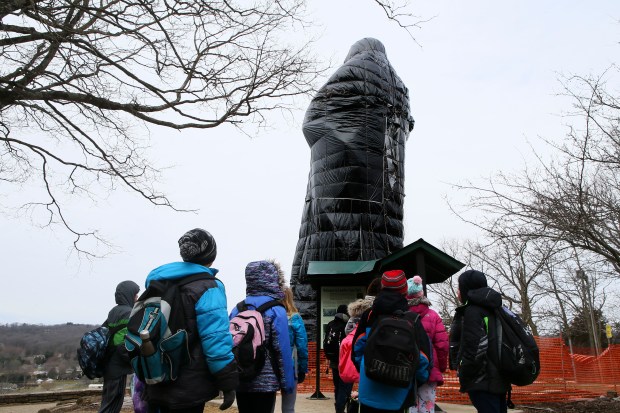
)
(357, 307)
(419, 300)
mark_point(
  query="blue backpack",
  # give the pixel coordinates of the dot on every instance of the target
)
(159, 312)
(93, 350)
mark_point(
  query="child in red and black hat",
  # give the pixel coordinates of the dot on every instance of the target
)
(375, 396)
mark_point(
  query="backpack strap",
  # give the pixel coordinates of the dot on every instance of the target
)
(262, 308)
(177, 315)
(241, 306)
(112, 331)
(498, 334)
(110, 349)
(410, 315)
(194, 277)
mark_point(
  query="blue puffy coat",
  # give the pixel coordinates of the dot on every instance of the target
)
(263, 284)
(299, 342)
(212, 366)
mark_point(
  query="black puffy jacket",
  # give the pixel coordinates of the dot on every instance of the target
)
(473, 343)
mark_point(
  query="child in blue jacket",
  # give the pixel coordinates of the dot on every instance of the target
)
(374, 396)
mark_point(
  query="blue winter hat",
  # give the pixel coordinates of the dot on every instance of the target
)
(415, 289)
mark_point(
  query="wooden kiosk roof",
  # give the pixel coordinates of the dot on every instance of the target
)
(419, 257)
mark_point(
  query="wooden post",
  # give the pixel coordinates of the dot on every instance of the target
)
(317, 395)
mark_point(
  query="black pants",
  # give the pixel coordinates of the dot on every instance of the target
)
(113, 394)
(486, 402)
(368, 409)
(161, 409)
(256, 402)
(342, 391)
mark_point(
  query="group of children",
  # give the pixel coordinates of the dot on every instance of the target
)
(212, 368)
(387, 295)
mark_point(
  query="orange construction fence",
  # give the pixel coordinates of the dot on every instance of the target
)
(562, 376)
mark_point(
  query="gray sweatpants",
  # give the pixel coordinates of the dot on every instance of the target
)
(288, 400)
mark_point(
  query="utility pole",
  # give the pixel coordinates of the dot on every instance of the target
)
(586, 284)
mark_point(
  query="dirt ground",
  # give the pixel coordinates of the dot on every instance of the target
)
(600, 405)
(73, 408)
(87, 406)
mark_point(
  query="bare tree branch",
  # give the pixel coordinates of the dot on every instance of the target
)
(575, 198)
(77, 76)
(398, 12)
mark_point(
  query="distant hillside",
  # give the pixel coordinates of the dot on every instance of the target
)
(28, 350)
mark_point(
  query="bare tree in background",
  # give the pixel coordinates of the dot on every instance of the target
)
(576, 282)
(512, 265)
(79, 78)
(81, 81)
(574, 199)
(515, 262)
(537, 278)
(443, 296)
(399, 11)
(568, 208)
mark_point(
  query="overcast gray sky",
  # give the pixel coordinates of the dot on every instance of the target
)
(482, 83)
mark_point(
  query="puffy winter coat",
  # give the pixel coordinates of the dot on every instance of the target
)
(473, 343)
(263, 284)
(337, 325)
(212, 366)
(299, 343)
(346, 369)
(436, 331)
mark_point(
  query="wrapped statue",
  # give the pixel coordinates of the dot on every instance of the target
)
(356, 126)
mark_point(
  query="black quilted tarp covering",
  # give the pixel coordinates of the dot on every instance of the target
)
(356, 127)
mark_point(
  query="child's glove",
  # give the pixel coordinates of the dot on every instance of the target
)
(229, 398)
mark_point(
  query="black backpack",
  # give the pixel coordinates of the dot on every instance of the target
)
(159, 311)
(519, 360)
(334, 334)
(392, 354)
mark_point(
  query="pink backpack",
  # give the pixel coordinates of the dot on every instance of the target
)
(248, 332)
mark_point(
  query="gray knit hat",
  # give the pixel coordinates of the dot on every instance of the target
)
(198, 246)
